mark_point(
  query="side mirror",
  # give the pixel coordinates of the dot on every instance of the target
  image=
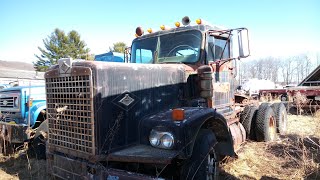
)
(243, 43)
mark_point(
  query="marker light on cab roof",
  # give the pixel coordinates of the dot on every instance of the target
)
(177, 24)
(164, 27)
(149, 30)
(198, 21)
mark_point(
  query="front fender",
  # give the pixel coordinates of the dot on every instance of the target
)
(35, 111)
(209, 119)
(186, 131)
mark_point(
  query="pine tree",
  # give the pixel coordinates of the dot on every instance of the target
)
(119, 47)
(59, 45)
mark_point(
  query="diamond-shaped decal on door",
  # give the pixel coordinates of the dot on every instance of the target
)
(126, 100)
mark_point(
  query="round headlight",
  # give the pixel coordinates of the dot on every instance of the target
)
(154, 138)
(167, 140)
(154, 141)
(16, 102)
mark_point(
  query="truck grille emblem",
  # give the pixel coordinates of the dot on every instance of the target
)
(5, 102)
(126, 100)
(64, 67)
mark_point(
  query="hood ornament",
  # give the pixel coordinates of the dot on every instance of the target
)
(65, 65)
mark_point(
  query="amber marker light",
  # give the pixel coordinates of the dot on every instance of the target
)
(178, 114)
(149, 30)
(177, 24)
(198, 21)
(30, 102)
(162, 27)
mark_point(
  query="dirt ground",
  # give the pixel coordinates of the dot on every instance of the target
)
(294, 156)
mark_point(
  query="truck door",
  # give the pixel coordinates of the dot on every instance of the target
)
(218, 50)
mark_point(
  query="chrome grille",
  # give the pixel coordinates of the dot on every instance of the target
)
(70, 112)
(7, 102)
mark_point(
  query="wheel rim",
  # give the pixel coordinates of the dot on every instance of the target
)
(272, 128)
(212, 165)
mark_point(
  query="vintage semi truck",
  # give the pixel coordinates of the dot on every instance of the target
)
(22, 108)
(170, 113)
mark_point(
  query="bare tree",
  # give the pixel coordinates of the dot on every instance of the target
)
(289, 70)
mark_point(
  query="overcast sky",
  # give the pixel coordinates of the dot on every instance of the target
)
(276, 27)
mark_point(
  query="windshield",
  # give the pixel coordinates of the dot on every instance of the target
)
(179, 47)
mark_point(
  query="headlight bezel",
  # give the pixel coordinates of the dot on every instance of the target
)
(154, 138)
(16, 102)
(171, 140)
(158, 136)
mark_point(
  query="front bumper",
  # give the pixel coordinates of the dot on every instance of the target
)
(67, 168)
(13, 133)
(144, 154)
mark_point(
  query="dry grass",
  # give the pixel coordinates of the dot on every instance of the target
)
(22, 167)
(294, 156)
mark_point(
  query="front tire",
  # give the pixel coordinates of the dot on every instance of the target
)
(204, 161)
(38, 143)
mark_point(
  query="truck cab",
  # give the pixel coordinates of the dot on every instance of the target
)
(21, 107)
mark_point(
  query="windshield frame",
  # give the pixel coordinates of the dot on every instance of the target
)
(158, 35)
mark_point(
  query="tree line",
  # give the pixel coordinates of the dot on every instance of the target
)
(289, 70)
(66, 45)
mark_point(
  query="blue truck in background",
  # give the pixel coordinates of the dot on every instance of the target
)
(110, 57)
(3, 86)
(22, 109)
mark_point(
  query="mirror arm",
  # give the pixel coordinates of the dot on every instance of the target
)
(226, 60)
(228, 40)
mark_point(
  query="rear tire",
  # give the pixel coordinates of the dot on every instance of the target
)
(266, 123)
(204, 161)
(247, 119)
(281, 117)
